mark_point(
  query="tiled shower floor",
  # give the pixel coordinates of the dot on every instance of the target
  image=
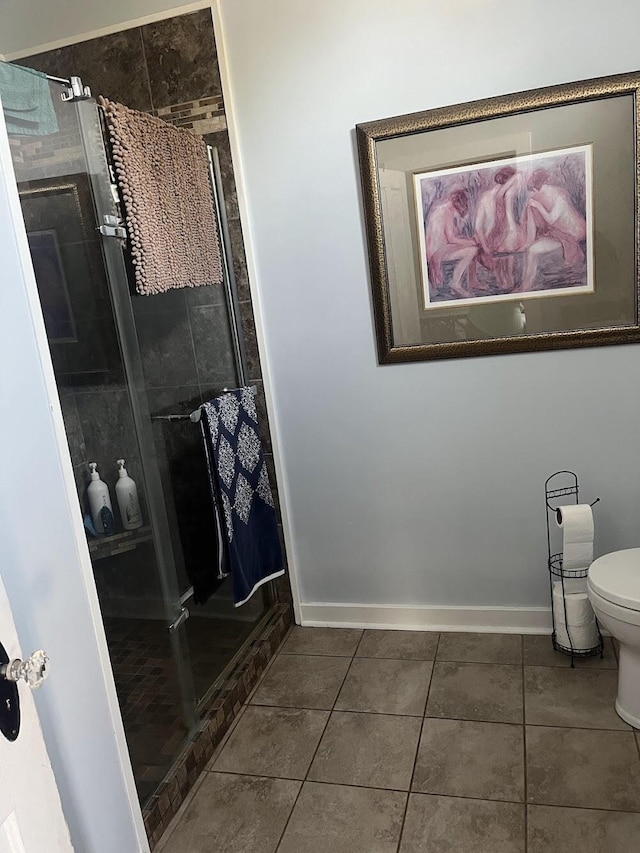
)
(147, 685)
(149, 699)
(405, 742)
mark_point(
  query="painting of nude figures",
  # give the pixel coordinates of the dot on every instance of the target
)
(512, 228)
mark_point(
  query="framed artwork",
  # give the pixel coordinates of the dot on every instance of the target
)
(505, 225)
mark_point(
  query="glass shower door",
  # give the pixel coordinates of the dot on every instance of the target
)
(184, 347)
(63, 181)
(180, 348)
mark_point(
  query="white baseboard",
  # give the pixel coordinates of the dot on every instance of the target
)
(499, 620)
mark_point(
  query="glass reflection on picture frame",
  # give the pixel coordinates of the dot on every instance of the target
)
(505, 225)
(72, 285)
(52, 286)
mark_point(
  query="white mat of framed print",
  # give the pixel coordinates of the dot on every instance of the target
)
(511, 228)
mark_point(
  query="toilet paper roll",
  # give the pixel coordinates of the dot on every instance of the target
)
(572, 608)
(577, 528)
(573, 615)
(572, 585)
(580, 639)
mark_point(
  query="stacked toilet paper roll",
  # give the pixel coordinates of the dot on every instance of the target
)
(573, 615)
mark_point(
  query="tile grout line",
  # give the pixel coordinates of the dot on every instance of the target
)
(420, 660)
(196, 362)
(439, 660)
(484, 799)
(147, 77)
(357, 649)
(302, 783)
(415, 757)
(352, 710)
(583, 808)
(553, 666)
(458, 719)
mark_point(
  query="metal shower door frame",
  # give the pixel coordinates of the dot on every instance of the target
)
(233, 302)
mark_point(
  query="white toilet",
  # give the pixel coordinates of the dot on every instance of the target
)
(614, 591)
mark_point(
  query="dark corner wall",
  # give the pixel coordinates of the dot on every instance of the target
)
(170, 69)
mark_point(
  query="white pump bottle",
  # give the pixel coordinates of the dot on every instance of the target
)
(99, 502)
(127, 495)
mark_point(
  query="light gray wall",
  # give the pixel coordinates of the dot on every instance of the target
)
(416, 484)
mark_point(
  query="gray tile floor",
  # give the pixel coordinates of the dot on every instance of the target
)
(407, 742)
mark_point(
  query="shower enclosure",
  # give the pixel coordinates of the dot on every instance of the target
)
(129, 370)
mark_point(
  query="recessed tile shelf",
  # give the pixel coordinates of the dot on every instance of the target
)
(119, 543)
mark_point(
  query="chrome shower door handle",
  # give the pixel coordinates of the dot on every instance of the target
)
(180, 618)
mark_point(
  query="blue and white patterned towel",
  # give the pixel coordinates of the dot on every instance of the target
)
(249, 547)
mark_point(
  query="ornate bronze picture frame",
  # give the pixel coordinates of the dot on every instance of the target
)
(505, 225)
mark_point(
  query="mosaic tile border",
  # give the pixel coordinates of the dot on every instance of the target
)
(204, 115)
(216, 721)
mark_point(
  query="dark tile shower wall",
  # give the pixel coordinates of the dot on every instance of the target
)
(170, 68)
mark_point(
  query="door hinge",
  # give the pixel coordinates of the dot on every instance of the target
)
(114, 186)
(180, 618)
(76, 91)
(113, 227)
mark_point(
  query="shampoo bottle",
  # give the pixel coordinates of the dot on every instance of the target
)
(99, 502)
(127, 495)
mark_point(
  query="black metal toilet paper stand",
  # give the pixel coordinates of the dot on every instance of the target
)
(561, 489)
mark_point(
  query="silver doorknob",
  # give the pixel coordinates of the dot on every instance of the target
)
(33, 670)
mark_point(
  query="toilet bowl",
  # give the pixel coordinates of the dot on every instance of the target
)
(613, 585)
